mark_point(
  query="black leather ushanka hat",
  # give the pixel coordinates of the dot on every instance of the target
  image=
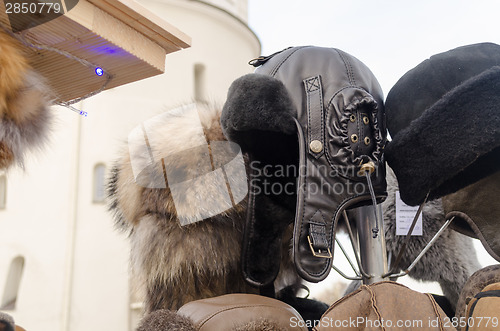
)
(321, 110)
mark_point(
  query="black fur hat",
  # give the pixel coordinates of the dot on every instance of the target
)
(444, 118)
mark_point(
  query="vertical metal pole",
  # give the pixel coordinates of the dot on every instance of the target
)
(372, 250)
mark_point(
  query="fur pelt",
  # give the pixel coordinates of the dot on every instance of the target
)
(177, 264)
(450, 261)
(163, 320)
(24, 105)
(260, 325)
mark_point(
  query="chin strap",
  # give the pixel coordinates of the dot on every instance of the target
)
(367, 169)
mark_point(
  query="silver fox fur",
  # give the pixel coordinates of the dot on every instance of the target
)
(173, 264)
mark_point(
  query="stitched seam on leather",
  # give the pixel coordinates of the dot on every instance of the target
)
(348, 67)
(322, 113)
(309, 134)
(309, 98)
(232, 308)
(245, 260)
(327, 155)
(278, 66)
(373, 301)
(344, 88)
(303, 225)
(345, 64)
(358, 129)
(436, 311)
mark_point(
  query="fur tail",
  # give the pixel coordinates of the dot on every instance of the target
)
(24, 105)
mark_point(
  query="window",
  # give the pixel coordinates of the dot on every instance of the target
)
(99, 191)
(9, 298)
(199, 82)
(3, 191)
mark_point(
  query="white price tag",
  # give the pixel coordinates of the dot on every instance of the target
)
(404, 218)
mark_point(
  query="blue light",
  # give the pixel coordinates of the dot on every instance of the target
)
(99, 71)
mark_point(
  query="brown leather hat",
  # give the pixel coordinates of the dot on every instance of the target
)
(384, 306)
(242, 312)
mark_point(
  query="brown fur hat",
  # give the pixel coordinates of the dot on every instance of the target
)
(24, 104)
(173, 262)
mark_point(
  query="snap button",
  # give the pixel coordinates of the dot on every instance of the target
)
(316, 146)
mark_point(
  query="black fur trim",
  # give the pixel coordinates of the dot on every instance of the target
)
(257, 102)
(453, 144)
(258, 115)
(424, 85)
(445, 305)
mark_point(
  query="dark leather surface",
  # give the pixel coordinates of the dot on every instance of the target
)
(349, 124)
(232, 311)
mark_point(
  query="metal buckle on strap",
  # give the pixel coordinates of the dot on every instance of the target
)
(319, 253)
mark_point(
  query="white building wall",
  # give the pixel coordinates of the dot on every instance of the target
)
(35, 225)
(76, 264)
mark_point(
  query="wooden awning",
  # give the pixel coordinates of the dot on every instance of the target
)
(123, 38)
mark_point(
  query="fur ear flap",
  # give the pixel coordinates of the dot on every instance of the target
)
(257, 102)
(259, 116)
(24, 105)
